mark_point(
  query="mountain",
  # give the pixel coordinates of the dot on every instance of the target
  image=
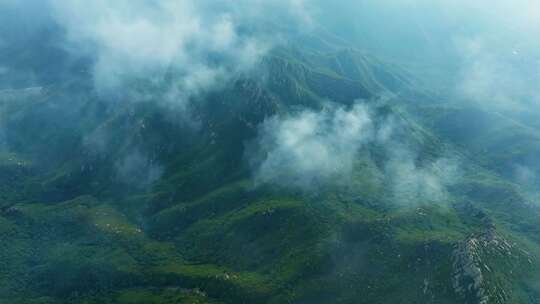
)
(105, 201)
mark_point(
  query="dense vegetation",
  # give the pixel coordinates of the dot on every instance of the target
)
(104, 202)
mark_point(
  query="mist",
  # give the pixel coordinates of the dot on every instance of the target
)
(313, 149)
(481, 50)
(163, 52)
(269, 151)
(202, 44)
(483, 54)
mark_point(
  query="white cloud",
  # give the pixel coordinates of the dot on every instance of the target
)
(202, 42)
(310, 147)
(414, 184)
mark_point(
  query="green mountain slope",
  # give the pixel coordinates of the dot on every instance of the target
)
(140, 206)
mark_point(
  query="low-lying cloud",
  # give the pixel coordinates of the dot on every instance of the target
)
(410, 182)
(200, 44)
(310, 147)
(167, 52)
(313, 149)
(184, 48)
(204, 43)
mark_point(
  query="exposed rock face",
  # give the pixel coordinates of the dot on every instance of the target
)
(471, 269)
(10, 211)
(467, 278)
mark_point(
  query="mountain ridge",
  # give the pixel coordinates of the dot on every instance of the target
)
(145, 208)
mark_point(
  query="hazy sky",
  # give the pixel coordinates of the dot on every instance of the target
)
(488, 49)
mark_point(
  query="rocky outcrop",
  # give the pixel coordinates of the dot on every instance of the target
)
(472, 269)
(467, 277)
